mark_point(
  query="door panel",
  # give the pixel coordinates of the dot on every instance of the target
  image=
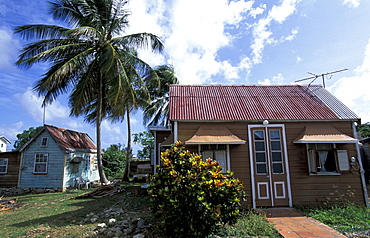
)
(268, 160)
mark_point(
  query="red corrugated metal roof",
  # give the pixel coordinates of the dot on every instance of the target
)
(71, 140)
(246, 103)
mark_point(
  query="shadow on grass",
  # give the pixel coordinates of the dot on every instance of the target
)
(71, 211)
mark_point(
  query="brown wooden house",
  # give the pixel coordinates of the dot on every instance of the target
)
(289, 144)
(9, 168)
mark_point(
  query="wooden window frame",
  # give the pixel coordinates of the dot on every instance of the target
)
(44, 142)
(6, 164)
(213, 152)
(340, 161)
(36, 163)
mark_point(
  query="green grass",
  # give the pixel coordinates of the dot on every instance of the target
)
(342, 218)
(56, 215)
(249, 224)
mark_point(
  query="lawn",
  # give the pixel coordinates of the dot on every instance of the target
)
(56, 215)
(345, 219)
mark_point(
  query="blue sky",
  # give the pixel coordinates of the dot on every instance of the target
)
(208, 42)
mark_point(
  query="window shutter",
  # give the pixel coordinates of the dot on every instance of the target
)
(312, 161)
(221, 158)
(207, 154)
(343, 162)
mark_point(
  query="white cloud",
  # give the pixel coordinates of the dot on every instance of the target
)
(299, 59)
(278, 79)
(354, 91)
(8, 50)
(352, 3)
(192, 35)
(257, 11)
(32, 104)
(11, 131)
(263, 35)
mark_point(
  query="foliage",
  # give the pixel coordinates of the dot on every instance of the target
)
(342, 218)
(192, 197)
(114, 158)
(364, 129)
(156, 111)
(92, 58)
(146, 140)
(25, 136)
(250, 224)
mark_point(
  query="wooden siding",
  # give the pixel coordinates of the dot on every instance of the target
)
(54, 175)
(85, 170)
(10, 179)
(306, 189)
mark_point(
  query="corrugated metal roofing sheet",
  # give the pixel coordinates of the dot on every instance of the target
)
(247, 103)
(333, 103)
(71, 140)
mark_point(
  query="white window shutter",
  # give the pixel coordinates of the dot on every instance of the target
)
(221, 158)
(343, 161)
(207, 155)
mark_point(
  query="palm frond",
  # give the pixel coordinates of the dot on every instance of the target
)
(40, 31)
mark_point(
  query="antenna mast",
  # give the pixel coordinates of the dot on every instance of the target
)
(315, 76)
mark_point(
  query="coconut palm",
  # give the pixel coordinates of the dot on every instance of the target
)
(90, 57)
(156, 111)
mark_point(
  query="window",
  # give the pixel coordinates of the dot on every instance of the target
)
(44, 142)
(87, 167)
(41, 162)
(75, 167)
(324, 158)
(216, 152)
(3, 165)
(94, 163)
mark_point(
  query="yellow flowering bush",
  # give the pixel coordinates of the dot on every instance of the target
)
(192, 196)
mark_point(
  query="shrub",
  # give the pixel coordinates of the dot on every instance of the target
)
(192, 197)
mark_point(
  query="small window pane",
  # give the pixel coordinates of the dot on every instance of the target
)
(40, 168)
(260, 157)
(260, 146)
(213, 147)
(275, 135)
(275, 145)
(259, 135)
(276, 157)
(277, 168)
(261, 169)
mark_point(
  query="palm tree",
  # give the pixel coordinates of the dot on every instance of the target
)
(132, 101)
(156, 111)
(89, 56)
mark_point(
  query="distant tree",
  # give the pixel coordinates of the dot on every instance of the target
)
(25, 136)
(364, 129)
(156, 111)
(114, 158)
(146, 140)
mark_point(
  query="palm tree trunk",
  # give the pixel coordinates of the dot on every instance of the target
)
(103, 179)
(128, 151)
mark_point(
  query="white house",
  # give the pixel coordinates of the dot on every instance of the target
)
(3, 142)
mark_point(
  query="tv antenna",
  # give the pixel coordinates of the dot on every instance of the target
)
(315, 76)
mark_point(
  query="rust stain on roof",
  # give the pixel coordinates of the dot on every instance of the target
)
(247, 103)
(71, 140)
